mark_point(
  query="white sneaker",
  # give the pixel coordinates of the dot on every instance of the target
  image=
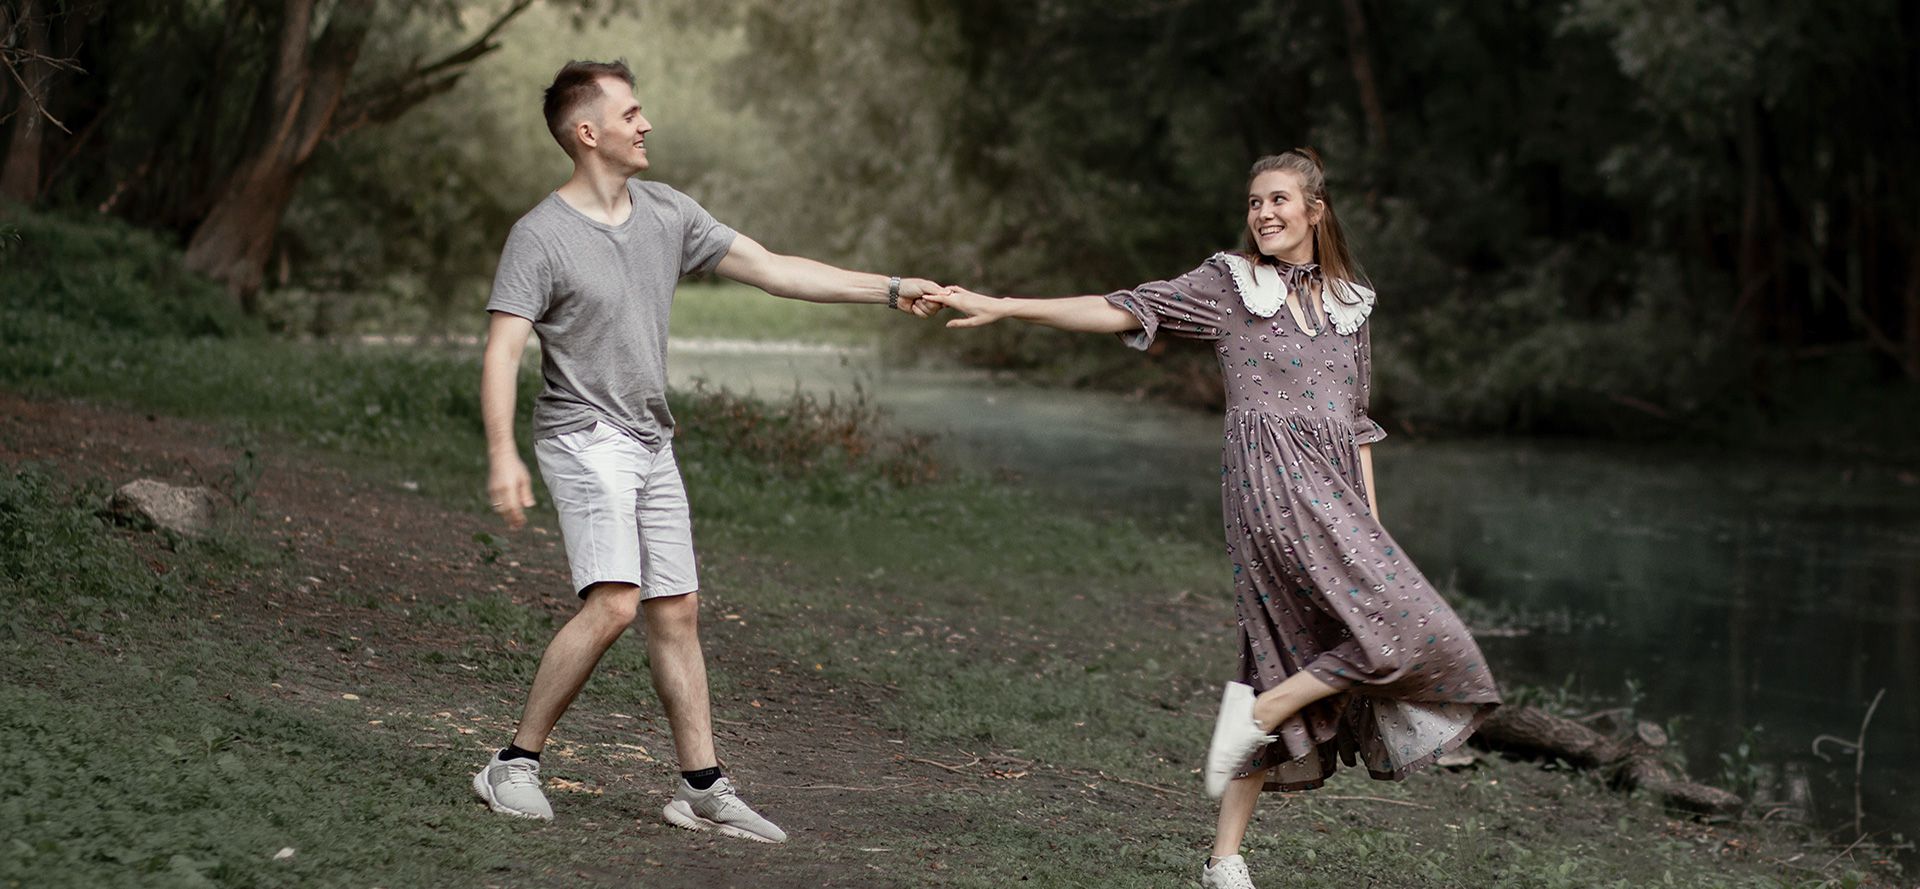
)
(512, 787)
(1235, 737)
(719, 808)
(1228, 873)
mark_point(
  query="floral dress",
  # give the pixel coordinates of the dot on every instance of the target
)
(1319, 585)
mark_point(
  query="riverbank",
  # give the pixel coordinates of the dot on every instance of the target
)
(931, 678)
(320, 676)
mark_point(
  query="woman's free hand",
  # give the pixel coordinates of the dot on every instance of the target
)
(979, 309)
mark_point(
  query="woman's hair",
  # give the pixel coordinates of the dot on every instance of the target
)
(1329, 241)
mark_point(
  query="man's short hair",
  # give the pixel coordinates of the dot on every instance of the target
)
(577, 84)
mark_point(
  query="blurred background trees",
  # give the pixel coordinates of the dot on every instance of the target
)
(1598, 216)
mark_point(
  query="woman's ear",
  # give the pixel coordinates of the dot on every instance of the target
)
(1318, 212)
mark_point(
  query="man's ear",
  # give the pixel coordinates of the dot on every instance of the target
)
(583, 130)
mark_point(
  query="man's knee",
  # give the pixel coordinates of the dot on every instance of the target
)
(673, 617)
(613, 605)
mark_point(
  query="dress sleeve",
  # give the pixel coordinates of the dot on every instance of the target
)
(1366, 431)
(1188, 306)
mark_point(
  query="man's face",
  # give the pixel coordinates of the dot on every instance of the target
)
(621, 129)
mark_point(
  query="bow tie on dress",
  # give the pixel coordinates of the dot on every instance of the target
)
(1264, 289)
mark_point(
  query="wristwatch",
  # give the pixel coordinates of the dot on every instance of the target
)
(893, 292)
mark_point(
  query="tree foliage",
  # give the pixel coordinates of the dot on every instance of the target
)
(1581, 215)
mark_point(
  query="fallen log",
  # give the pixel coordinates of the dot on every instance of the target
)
(1631, 764)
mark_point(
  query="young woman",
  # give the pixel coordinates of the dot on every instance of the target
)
(1345, 650)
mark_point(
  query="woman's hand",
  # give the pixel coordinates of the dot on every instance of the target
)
(979, 309)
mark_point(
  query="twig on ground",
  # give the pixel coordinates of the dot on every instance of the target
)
(958, 770)
(1375, 799)
(1156, 788)
(837, 787)
(1859, 747)
(1844, 852)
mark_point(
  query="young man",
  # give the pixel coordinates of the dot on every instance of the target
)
(592, 270)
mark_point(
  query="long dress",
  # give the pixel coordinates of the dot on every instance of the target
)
(1319, 585)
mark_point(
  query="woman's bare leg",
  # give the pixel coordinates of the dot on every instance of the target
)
(1277, 704)
(1236, 812)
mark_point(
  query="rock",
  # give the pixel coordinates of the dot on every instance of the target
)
(185, 511)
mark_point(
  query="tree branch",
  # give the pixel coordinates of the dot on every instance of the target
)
(17, 52)
(390, 98)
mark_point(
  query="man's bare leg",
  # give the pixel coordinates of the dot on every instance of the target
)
(680, 676)
(571, 657)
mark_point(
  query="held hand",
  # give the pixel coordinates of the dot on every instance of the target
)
(913, 297)
(979, 309)
(510, 489)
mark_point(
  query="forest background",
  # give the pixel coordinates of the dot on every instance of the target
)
(1597, 217)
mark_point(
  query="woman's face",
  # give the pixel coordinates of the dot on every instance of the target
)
(1281, 217)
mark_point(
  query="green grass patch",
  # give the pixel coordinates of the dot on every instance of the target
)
(724, 310)
(149, 751)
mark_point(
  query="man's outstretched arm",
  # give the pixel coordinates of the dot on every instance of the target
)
(796, 277)
(509, 487)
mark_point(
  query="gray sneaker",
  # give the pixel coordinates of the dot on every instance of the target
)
(719, 808)
(512, 787)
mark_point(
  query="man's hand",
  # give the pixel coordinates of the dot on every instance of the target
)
(979, 309)
(915, 294)
(510, 489)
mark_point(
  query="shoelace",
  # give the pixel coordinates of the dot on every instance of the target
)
(725, 798)
(523, 773)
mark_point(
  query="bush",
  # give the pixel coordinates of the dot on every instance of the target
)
(106, 275)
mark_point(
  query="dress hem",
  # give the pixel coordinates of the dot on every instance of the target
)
(1454, 743)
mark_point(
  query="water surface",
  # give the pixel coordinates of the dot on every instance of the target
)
(1739, 598)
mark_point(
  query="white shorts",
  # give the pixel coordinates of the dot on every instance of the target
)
(623, 511)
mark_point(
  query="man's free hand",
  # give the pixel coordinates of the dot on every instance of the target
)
(510, 490)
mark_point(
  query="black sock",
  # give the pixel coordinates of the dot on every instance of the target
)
(703, 778)
(514, 752)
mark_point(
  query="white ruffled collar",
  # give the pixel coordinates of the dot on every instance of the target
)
(1263, 290)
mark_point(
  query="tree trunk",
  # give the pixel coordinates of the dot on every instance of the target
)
(1633, 762)
(20, 177)
(306, 102)
(1360, 56)
(233, 243)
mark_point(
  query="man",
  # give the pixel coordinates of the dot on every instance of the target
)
(592, 270)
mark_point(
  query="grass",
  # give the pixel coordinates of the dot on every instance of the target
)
(725, 310)
(153, 749)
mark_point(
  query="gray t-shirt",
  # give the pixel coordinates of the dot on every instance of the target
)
(599, 297)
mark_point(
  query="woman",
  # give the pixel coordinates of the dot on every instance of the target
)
(1345, 650)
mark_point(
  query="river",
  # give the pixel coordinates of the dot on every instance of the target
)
(1741, 599)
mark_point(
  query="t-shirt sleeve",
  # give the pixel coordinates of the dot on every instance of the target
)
(1187, 306)
(705, 240)
(523, 284)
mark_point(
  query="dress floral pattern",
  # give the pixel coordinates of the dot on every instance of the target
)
(1319, 585)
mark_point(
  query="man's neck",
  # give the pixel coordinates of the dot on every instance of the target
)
(598, 192)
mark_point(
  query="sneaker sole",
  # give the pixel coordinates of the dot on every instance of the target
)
(485, 792)
(1217, 779)
(679, 814)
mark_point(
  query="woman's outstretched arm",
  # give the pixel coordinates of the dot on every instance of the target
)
(1081, 314)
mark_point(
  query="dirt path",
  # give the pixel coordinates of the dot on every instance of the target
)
(360, 558)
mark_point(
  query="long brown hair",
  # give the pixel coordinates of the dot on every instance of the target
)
(1329, 241)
